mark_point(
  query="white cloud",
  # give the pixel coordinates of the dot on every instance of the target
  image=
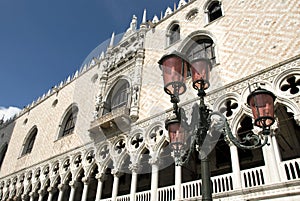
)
(7, 113)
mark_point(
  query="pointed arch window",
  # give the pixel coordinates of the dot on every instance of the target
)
(3, 151)
(69, 122)
(117, 97)
(214, 11)
(29, 141)
(202, 47)
(173, 34)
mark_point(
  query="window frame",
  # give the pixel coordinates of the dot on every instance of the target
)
(119, 91)
(211, 8)
(173, 33)
(68, 122)
(29, 141)
(202, 46)
(3, 152)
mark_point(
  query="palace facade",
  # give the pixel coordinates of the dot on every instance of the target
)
(100, 134)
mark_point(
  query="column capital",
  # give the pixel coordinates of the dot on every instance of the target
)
(51, 189)
(101, 176)
(61, 187)
(116, 173)
(86, 180)
(41, 192)
(154, 161)
(73, 184)
(32, 194)
(134, 167)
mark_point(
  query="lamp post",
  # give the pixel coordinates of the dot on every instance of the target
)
(175, 67)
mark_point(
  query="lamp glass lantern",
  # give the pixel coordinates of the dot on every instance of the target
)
(176, 134)
(261, 103)
(174, 68)
(201, 68)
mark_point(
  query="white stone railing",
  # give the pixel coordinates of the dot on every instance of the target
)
(123, 198)
(107, 199)
(290, 170)
(253, 177)
(143, 196)
(191, 189)
(166, 193)
(222, 183)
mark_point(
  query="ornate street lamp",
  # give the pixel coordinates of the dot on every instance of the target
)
(261, 101)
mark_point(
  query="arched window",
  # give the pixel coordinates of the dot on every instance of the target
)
(214, 11)
(69, 121)
(29, 141)
(202, 47)
(117, 97)
(287, 134)
(2, 153)
(174, 34)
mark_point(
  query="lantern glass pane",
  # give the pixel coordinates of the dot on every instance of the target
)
(262, 106)
(177, 135)
(174, 74)
(201, 72)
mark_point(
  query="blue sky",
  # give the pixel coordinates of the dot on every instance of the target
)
(42, 42)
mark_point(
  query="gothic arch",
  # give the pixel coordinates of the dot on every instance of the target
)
(65, 165)
(155, 136)
(192, 38)
(103, 152)
(207, 10)
(173, 33)
(76, 162)
(29, 141)
(136, 145)
(71, 110)
(3, 150)
(67, 178)
(54, 180)
(45, 184)
(118, 94)
(90, 169)
(89, 156)
(118, 151)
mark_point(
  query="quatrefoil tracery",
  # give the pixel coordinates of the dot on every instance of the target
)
(228, 107)
(293, 84)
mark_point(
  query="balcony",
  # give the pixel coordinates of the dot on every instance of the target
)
(112, 123)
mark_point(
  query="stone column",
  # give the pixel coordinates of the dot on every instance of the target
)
(61, 192)
(24, 197)
(154, 178)
(86, 181)
(50, 195)
(41, 193)
(32, 195)
(117, 175)
(134, 175)
(236, 171)
(271, 163)
(276, 148)
(101, 177)
(73, 185)
(177, 182)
